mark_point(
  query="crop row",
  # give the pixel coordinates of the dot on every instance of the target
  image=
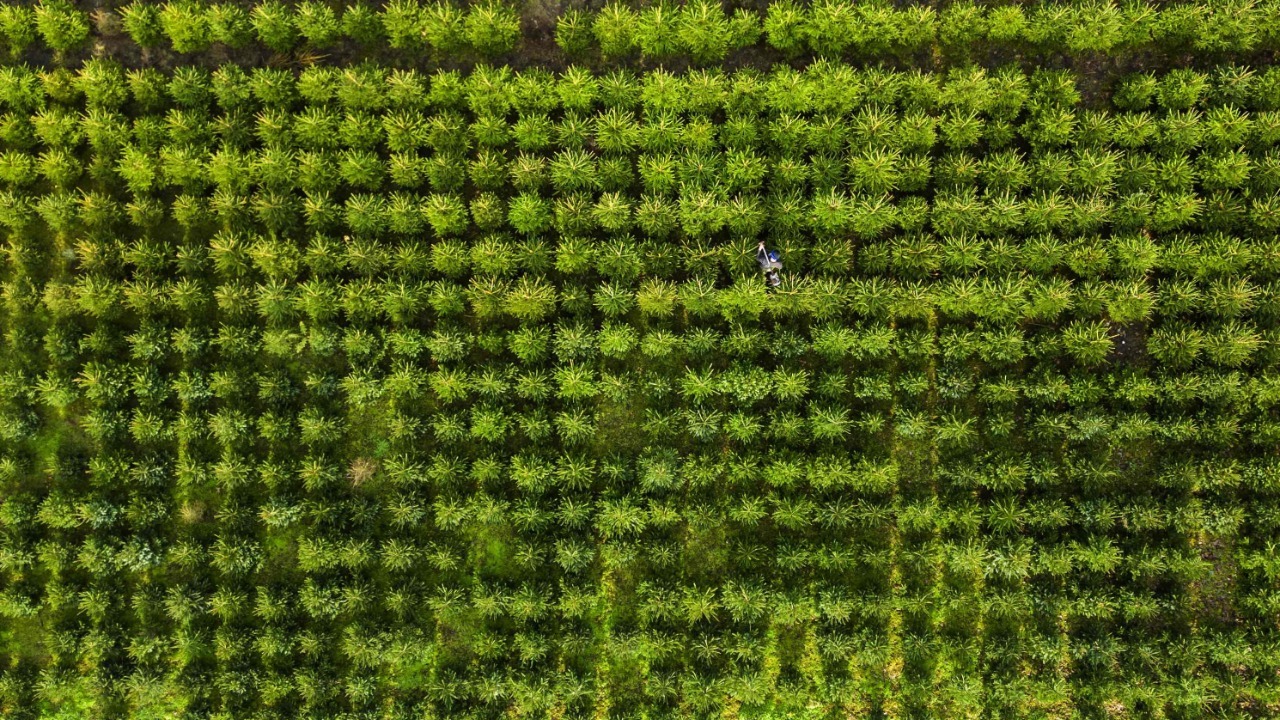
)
(746, 671)
(823, 88)
(700, 30)
(1083, 326)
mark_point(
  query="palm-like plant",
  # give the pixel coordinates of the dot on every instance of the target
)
(615, 29)
(614, 300)
(187, 26)
(704, 31)
(1133, 301)
(231, 25)
(613, 212)
(1227, 170)
(573, 32)
(61, 25)
(445, 173)
(317, 24)
(1176, 345)
(403, 24)
(1088, 342)
(446, 214)
(18, 28)
(492, 28)
(573, 215)
(529, 214)
(575, 427)
(531, 299)
(488, 171)
(274, 24)
(657, 32)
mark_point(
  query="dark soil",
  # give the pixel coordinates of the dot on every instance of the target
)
(1130, 344)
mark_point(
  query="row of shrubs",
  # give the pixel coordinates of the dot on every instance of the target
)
(1005, 93)
(702, 31)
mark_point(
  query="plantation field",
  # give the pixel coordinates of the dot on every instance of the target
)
(412, 361)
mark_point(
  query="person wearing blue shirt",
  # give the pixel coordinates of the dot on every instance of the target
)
(770, 264)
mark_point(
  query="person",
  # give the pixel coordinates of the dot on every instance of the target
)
(770, 264)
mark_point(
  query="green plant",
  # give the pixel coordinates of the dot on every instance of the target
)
(615, 29)
(444, 27)
(488, 212)
(361, 23)
(1006, 23)
(1089, 343)
(537, 383)
(529, 214)
(18, 27)
(230, 25)
(1135, 92)
(492, 28)
(188, 27)
(657, 31)
(1180, 89)
(528, 173)
(61, 25)
(1232, 344)
(1176, 346)
(704, 31)
(831, 27)
(403, 24)
(1095, 27)
(530, 299)
(446, 214)
(963, 26)
(274, 24)
(573, 32)
(317, 23)
(745, 29)
(103, 84)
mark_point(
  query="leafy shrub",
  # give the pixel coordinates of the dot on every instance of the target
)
(963, 26)
(190, 87)
(274, 25)
(1089, 343)
(61, 25)
(704, 31)
(547, 342)
(1135, 92)
(103, 84)
(403, 24)
(656, 31)
(446, 214)
(832, 27)
(1095, 28)
(573, 32)
(492, 28)
(443, 26)
(529, 214)
(615, 29)
(230, 25)
(187, 26)
(1180, 89)
(317, 23)
(141, 21)
(1006, 23)
(361, 23)
(18, 27)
